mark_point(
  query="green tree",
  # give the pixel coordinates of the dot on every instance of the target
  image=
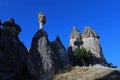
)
(84, 55)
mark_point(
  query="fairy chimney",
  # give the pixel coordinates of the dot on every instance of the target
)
(75, 39)
(91, 42)
(41, 19)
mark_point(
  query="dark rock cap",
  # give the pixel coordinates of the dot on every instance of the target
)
(11, 23)
(41, 18)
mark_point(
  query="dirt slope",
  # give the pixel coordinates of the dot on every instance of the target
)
(90, 73)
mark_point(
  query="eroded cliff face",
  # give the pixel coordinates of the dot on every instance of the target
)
(91, 41)
(46, 57)
(13, 53)
(42, 56)
(60, 51)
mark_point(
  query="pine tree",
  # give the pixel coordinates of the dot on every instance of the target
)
(85, 56)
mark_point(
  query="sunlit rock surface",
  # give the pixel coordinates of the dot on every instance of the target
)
(46, 56)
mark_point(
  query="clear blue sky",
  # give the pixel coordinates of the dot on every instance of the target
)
(102, 15)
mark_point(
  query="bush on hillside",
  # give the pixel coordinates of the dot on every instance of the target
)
(83, 55)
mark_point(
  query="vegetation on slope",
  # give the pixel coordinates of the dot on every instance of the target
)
(89, 73)
(84, 56)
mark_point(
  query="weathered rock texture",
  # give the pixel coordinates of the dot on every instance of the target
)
(46, 57)
(60, 51)
(42, 56)
(89, 40)
(13, 54)
(75, 39)
(41, 19)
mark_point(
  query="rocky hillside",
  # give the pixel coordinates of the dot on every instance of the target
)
(89, 73)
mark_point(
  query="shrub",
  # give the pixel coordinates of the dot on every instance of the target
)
(83, 55)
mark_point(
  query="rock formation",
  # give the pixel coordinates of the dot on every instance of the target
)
(41, 19)
(88, 32)
(59, 48)
(89, 40)
(42, 56)
(13, 54)
(75, 42)
(46, 58)
(75, 38)
(11, 27)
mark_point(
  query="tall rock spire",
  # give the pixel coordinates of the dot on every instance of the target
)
(91, 41)
(41, 19)
(75, 38)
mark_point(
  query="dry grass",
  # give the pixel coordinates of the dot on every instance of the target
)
(83, 73)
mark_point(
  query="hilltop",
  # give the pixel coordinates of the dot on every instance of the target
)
(89, 73)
